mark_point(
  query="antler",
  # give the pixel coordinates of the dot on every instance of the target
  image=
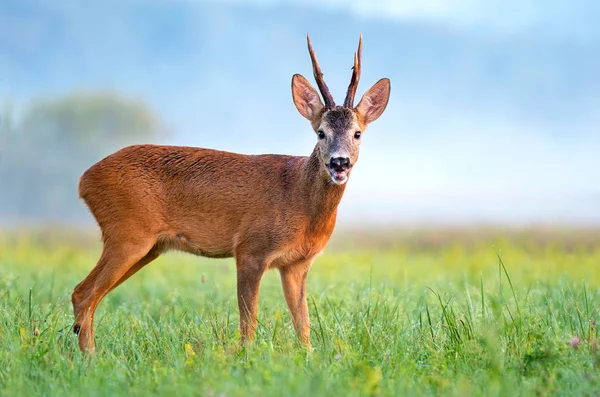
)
(329, 102)
(349, 101)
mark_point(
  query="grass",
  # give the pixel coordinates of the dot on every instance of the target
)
(494, 316)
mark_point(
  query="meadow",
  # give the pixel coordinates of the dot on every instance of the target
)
(393, 312)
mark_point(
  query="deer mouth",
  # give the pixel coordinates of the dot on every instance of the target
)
(338, 176)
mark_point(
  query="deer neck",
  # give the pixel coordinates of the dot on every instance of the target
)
(320, 194)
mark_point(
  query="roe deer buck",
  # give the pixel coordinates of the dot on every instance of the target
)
(267, 211)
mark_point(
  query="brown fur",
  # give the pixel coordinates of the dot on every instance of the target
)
(267, 211)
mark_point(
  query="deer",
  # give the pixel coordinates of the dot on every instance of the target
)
(267, 211)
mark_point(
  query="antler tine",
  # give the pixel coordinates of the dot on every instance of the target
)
(327, 97)
(349, 101)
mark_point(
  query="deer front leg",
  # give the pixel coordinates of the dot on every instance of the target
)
(249, 274)
(293, 281)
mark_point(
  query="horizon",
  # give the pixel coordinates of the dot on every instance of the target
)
(492, 118)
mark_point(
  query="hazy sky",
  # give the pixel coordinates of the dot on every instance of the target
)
(494, 113)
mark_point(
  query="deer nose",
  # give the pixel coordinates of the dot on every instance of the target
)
(339, 163)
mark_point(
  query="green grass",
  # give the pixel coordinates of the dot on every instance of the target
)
(491, 316)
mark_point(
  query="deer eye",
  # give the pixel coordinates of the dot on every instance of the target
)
(321, 134)
(357, 135)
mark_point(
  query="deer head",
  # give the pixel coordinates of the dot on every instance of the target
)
(339, 129)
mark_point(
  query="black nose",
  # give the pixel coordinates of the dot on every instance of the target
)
(339, 163)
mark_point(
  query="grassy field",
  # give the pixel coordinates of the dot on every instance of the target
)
(392, 313)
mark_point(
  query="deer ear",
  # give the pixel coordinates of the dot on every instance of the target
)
(374, 102)
(306, 99)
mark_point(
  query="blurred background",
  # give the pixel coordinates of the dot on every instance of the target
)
(494, 115)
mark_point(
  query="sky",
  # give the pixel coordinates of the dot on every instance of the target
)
(494, 114)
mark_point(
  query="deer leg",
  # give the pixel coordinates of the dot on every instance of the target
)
(152, 255)
(114, 263)
(249, 274)
(293, 281)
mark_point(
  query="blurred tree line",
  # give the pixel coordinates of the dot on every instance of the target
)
(46, 146)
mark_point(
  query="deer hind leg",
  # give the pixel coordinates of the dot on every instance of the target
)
(115, 263)
(150, 256)
(293, 281)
